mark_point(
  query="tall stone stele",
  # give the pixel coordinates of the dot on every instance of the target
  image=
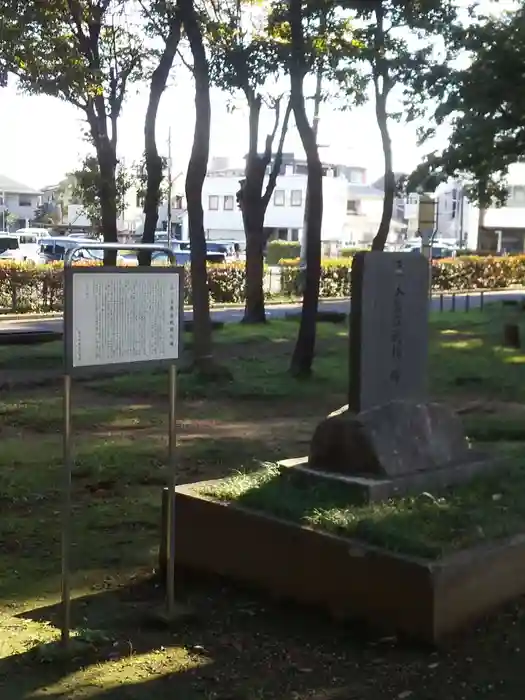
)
(389, 429)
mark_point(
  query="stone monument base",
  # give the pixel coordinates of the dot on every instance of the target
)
(369, 489)
(402, 447)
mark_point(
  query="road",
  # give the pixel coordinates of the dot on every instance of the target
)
(458, 301)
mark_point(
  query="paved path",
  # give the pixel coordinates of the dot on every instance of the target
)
(458, 301)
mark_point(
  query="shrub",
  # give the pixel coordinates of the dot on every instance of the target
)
(26, 287)
(478, 272)
(276, 250)
(350, 252)
(226, 283)
(334, 282)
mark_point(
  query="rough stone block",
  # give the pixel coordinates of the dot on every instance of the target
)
(396, 439)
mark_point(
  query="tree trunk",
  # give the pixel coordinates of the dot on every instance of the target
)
(196, 174)
(253, 221)
(382, 87)
(159, 79)
(390, 181)
(254, 311)
(108, 199)
(304, 351)
(107, 163)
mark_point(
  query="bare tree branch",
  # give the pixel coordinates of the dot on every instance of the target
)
(276, 168)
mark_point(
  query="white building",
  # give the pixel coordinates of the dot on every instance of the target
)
(495, 228)
(19, 201)
(364, 209)
(351, 209)
(132, 218)
(285, 213)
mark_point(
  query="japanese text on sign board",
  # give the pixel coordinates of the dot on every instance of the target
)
(123, 318)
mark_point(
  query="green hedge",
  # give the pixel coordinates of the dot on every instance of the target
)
(25, 287)
(350, 252)
(276, 250)
(468, 272)
(478, 272)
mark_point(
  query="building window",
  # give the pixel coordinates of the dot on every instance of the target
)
(517, 196)
(228, 202)
(178, 202)
(351, 206)
(213, 202)
(295, 234)
(139, 201)
(24, 200)
(278, 198)
(297, 198)
(282, 234)
(356, 177)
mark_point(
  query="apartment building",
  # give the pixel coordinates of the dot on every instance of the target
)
(496, 228)
(18, 203)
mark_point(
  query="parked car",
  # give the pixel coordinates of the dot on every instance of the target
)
(54, 250)
(438, 251)
(10, 248)
(231, 250)
(29, 244)
(82, 237)
(182, 257)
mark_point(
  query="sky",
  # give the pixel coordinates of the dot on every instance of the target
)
(41, 138)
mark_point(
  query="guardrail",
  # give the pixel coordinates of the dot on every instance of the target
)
(465, 301)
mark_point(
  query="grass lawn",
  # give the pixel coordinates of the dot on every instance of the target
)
(236, 637)
(425, 526)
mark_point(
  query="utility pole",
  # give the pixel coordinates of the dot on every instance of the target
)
(169, 188)
(3, 211)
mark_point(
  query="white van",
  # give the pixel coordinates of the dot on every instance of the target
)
(29, 243)
(10, 249)
(40, 232)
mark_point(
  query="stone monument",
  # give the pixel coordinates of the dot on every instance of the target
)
(390, 439)
(388, 329)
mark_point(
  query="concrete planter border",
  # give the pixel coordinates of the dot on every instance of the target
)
(426, 600)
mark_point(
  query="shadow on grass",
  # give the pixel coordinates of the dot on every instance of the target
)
(44, 414)
(117, 487)
(470, 359)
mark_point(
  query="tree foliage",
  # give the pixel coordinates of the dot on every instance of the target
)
(483, 105)
(86, 188)
(85, 52)
(140, 174)
(396, 41)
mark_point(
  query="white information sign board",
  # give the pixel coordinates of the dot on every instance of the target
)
(118, 318)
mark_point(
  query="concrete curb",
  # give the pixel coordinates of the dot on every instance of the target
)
(279, 304)
(213, 307)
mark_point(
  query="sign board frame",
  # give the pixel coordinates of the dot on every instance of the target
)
(69, 278)
(70, 370)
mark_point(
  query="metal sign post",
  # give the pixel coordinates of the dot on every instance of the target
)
(120, 317)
